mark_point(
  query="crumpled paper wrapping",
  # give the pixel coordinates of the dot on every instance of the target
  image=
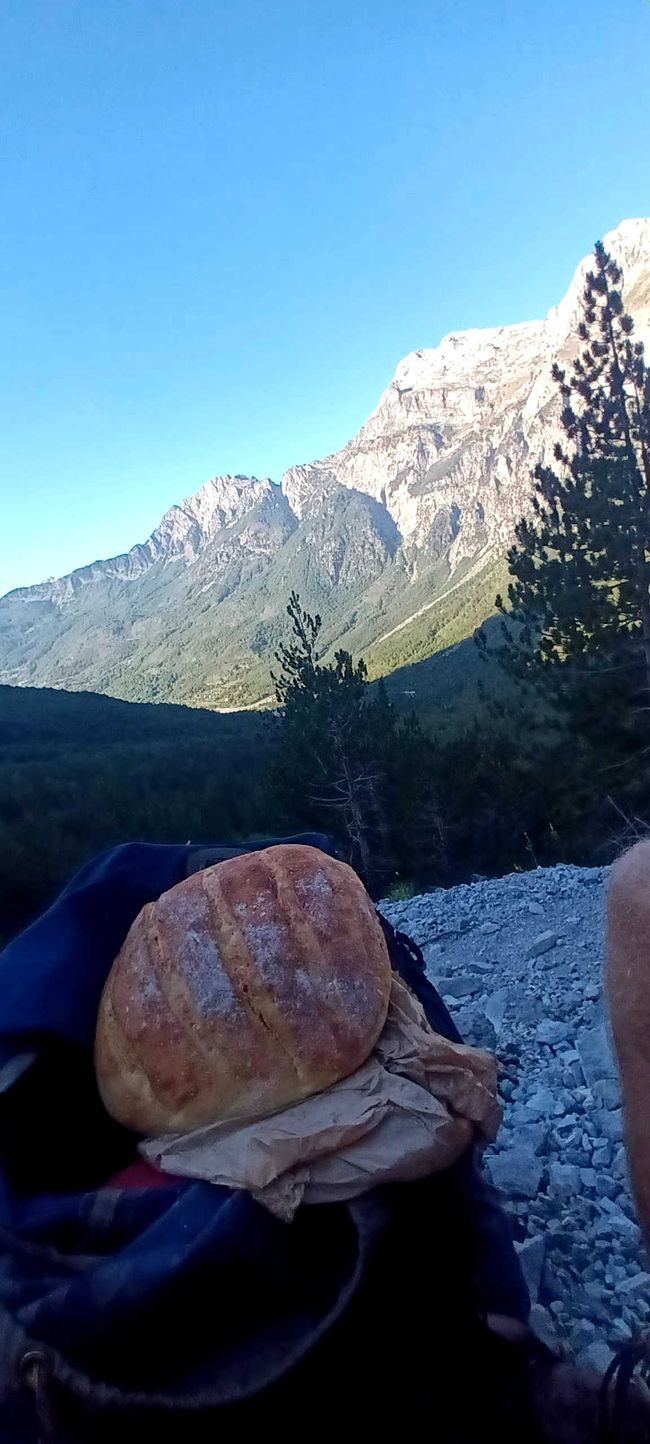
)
(410, 1111)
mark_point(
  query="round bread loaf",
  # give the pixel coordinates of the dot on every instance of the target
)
(244, 988)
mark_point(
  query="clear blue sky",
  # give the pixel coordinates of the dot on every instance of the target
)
(224, 223)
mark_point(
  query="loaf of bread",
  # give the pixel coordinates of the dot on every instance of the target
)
(244, 988)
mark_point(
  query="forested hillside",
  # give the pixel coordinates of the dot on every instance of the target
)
(79, 773)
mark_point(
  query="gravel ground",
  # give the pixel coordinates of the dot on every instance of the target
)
(519, 962)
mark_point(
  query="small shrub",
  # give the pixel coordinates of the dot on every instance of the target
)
(401, 890)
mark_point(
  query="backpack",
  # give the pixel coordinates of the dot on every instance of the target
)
(169, 1312)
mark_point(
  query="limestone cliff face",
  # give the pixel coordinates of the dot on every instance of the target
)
(456, 434)
(436, 479)
(184, 531)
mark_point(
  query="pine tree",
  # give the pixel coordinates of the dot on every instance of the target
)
(334, 734)
(580, 594)
(415, 783)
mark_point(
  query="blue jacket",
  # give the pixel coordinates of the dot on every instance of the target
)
(94, 1280)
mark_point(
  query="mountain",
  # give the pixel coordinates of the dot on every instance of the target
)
(398, 539)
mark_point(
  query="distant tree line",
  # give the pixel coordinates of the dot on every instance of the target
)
(80, 773)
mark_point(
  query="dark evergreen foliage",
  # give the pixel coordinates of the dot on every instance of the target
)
(79, 773)
(361, 772)
(580, 567)
(577, 624)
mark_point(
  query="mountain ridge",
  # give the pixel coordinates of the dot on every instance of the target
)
(424, 497)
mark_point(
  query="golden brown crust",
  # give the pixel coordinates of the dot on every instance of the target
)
(243, 988)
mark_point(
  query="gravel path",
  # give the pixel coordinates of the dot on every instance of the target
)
(519, 962)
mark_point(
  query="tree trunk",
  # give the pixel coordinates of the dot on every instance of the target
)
(356, 826)
(645, 634)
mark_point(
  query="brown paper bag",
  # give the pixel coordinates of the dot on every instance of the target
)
(410, 1111)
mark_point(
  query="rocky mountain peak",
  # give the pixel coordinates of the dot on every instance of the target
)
(225, 499)
(183, 531)
(630, 243)
(460, 426)
(217, 504)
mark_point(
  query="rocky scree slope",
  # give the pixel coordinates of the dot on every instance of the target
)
(519, 962)
(416, 508)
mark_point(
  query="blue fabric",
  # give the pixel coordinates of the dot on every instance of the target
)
(52, 975)
(100, 1276)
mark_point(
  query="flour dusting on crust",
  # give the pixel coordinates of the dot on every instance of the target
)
(198, 960)
(315, 895)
